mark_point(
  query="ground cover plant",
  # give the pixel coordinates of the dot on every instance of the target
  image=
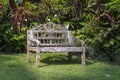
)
(55, 67)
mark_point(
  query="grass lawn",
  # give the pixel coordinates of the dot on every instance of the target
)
(54, 67)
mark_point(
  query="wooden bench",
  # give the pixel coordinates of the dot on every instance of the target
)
(51, 37)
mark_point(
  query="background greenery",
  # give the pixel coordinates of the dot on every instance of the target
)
(97, 22)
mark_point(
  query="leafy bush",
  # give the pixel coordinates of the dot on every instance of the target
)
(99, 28)
(97, 22)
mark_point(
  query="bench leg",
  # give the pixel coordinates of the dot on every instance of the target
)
(83, 57)
(69, 56)
(38, 58)
(28, 55)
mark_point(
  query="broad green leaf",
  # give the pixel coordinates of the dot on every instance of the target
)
(109, 29)
(107, 45)
(82, 23)
(112, 42)
(118, 37)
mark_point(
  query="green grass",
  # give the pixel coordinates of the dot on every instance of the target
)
(55, 67)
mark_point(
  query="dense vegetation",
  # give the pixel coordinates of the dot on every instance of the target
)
(97, 22)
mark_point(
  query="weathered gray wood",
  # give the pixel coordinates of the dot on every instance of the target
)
(32, 48)
(38, 57)
(28, 55)
(55, 45)
(51, 37)
(30, 38)
(70, 38)
(49, 31)
(83, 56)
(60, 49)
(50, 26)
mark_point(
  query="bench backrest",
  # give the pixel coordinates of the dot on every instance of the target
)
(59, 36)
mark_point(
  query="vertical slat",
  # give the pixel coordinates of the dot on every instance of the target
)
(30, 33)
(47, 41)
(37, 34)
(43, 41)
(33, 34)
(70, 38)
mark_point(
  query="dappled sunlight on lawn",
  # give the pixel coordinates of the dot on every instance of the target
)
(54, 67)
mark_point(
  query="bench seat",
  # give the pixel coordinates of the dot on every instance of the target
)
(57, 49)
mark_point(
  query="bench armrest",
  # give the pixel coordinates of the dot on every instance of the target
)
(31, 38)
(79, 40)
(34, 40)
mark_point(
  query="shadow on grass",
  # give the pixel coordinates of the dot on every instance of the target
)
(63, 59)
(13, 69)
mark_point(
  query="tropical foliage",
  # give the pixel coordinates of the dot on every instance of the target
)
(97, 22)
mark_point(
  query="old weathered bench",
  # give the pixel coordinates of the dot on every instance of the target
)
(51, 37)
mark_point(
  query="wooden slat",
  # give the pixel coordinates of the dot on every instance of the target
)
(70, 38)
(57, 44)
(51, 38)
(32, 48)
(61, 49)
(53, 31)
